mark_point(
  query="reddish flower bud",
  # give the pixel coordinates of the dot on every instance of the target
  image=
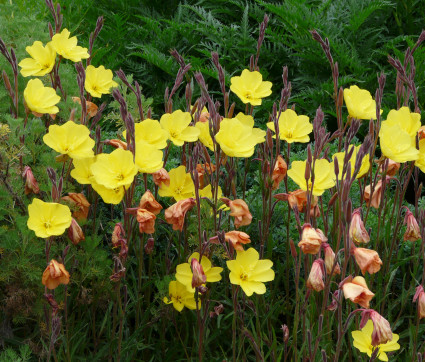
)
(311, 240)
(239, 209)
(161, 177)
(79, 205)
(420, 297)
(149, 246)
(315, 279)
(368, 260)
(381, 327)
(279, 172)
(413, 232)
(75, 233)
(176, 213)
(237, 238)
(330, 260)
(31, 184)
(149, 203)
(357, 291)
(199, 276)
(358, 233)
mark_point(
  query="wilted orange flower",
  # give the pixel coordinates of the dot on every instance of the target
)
(298, 199)
(279, 172)
(55, 274)
(117, 234)
(357, 291)
(91, 107)
(199, 278)
(176, 213)
(311, 240)
(202, 170)
(315, 279)
(75, 233)
(149, 203)
(116, 143)
(79, 205)
(375, 199)
(392, 167)
(367, 260)
(237, 238)
(381, 327)
(146, 220)
(330, 260)
(358, 232)
(161, 177)
(413, 232)
(239, 209)
(31, 184)
(420, 297)
(421, 132)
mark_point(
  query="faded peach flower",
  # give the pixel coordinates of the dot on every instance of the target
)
(330, 260)
(367, 260)
(31, 184)
(149, 203)
(79, 205)
(198, 278)
(381, 327)
(237, 238)
(421, 132)
(311, 240)
(315, 278)
(375, 199)
(420, 297)
(91, 107)
(357, 291)
(116, 143)
(75, 233)
(161, 177)
(279, 172)
(146, 220)
(358, 233)
(176, 213)
(55, 274)
(298, 199)
(392, 167)
(117, 235)
(239, 209)
(413, 232)
(202, 170)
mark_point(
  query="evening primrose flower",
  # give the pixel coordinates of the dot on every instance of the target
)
(82, 170)
(148, 159)
(70, 139)
(67, 47)
(109, 196)
(250, 88)
(99, 81)
(41, 99)
(151, 132)
(359, 103)
(364, 167)
(180, 296)
(48, 218)
(181, 185)
(41, 62)
(409, 122)
(184, 272)
(177, 126)
(115, 169)
(397, 144)
(420, 162)
(293, 128)
(323, 173)
(204, 135)
(54, 275)
(249, 272)
(362, 340)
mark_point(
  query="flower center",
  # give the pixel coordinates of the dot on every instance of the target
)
(243, 276)
(178, 190)
(248, 95)
(120, 177)
(173, 134)
(47, 224)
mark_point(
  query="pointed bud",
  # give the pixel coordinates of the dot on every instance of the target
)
(367, 260)
(31, 184)
(420, 298)
(315, 279)
(199, 276)
(413, 232)
(75, 233)
(357, 291)
(330, 260)
(358, 233)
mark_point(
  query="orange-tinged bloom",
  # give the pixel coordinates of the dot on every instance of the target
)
(239, 209)
(116, 143)
(330, 260)
(31, 184)
(375, 199)
(421, 132)
(311, 240)
(176, 213)
(358, 232)
(161, 177)
(91, 108)
(315, 278)
(237, 238)
(54, 275)
(413, 232)
(75, 233)
(79, 204)
(298, 199)
(279, 172)
(357, 291)
(146, 220)
(149, 203)
(368, 260)
(392, 167)
(420, 298)
(381, 327)
(199, 278)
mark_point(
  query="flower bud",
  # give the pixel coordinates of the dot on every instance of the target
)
(279, 172)
(367, 260)
(117, 235)
(239, 209)
(357, 291)
(420, 297)
(55, 274)
(237, 238)
(330, 260)
(75, 233)
(31, 184)
(358, 233)
(311, 240)
(146, 220)
(176, 213)
(149, 246)
(161, 177)
(149, 203)
(79, 205)
(381, 327)
(199, 276)
(315, 279)
(413, 232)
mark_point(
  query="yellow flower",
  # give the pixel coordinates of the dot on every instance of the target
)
(115, 169)
(362, 340)
(67, 47)
(420, 162)
(293, 128)
(324, 176)
(41, 99)
(249, 272)
(70, 139)
(181, 185)
(250, 88)
(204, 135)
(150, 131)
(184, 272)
(41, 62)
(206, 192)
(364, 167)
(82, 171)
(397, 144)
(409, 122)
(99, 81)
(148, 158)
(359, 103)
(109, 196)
(48, 218)
(180, 296)
(177, 126)
(238, 137)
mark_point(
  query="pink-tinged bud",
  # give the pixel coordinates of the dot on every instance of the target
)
(420, 297)
(279, 172)
(368, 260)
(161, 177)
(75, 233)
(176, 213)
(116, 143)
(413, 232)
(357, 291)
(237, 238)
(330, 260)
(381, 327)
(31, 184)
(335, 299)
(315, 279)
(392, 168)
(358, 233)
(149, 203)
(199, 276)
(149, 246)
(117, 235)
(311, 240)
(239, 209)
(375, 199)
(79, 205)
(146, 220)
(285, 331)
